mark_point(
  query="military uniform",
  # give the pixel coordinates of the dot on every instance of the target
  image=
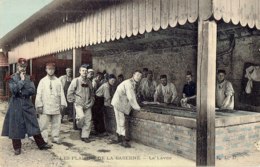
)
(21, 116)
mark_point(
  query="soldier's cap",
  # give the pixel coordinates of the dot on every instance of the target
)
(84, 66)
(68, 68)
(111, 76)
(221, 71)
(163, 76)
(90, 70)
(50, 65)
(22, 62)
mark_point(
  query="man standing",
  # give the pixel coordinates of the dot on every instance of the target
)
(120, 79)
(65, 81)
(145, 72)
(123, 100)
(81, 93)
(189, 92)
(90, 74)
(165, 92)
(103, 98)
(224, 92)
(97, 81)
(50, 102)
(147, 87)
(21, 116)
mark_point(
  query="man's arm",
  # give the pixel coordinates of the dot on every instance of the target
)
(229, 92)
(174, 92)
(29, 88)
(71, 91)
(15, 87)
(63, 99)
(130, 93)
(156, 94)
(62, 80)
(38, 99)
(107, 96)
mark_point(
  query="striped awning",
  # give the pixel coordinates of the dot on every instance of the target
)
(245, 12)
(133, 17)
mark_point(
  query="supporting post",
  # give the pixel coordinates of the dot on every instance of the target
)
(31, 66)
(76, 61)
(14, 68)
(206, 80)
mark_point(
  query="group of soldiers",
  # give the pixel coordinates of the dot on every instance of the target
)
(90, 95)
(149, 92)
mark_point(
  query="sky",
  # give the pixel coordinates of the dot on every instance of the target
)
(14, 12)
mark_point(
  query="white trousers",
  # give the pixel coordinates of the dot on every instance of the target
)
(45, 121)
(120, 122)
(83, 120)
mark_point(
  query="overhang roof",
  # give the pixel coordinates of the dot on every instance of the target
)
(104, 21)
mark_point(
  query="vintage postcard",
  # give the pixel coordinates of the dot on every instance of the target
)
(129, 83)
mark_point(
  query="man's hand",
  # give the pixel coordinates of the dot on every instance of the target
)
(40, 110)
(138, 109)
(22, 76)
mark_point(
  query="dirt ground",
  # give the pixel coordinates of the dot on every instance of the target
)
(73, 152)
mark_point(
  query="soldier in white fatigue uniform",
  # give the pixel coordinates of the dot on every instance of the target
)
(123, 100)
(50, 101)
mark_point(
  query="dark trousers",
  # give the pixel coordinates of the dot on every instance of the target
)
(68, 111)
(38, 140)
(98, 115)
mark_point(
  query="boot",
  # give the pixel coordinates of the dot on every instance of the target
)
(46, 146)
(117, 141)
(125, 143)
(17, 151)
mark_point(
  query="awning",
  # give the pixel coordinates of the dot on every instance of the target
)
(245, 12)
(133, 17)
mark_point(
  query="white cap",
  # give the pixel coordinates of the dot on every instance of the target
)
(90, 70)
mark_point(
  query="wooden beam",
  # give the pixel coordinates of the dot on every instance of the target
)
(14, 65)
(76, 61)
(31, 66)
(206, 80)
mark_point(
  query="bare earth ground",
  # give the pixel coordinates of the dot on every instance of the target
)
(73, 152)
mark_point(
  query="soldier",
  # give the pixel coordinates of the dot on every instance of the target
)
(50, 102)
(90, 74)
(123, 100)
(103, 98)
(165, 92)
(147, 87)
(81, 93)
(97, 81)
(224, 92)
(189, 92)
(120, 78)
(21, 116)
(65, 81)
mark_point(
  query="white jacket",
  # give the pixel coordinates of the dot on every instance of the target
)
(50, 95)
(125, 97)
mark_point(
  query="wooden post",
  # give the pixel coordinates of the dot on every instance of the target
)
(76, 61)
(14, 71)
(206, 80)
(31, 70)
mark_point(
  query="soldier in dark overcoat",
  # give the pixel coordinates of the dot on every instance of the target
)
(21, 118)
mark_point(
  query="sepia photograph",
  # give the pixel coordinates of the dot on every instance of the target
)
(129, 83)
